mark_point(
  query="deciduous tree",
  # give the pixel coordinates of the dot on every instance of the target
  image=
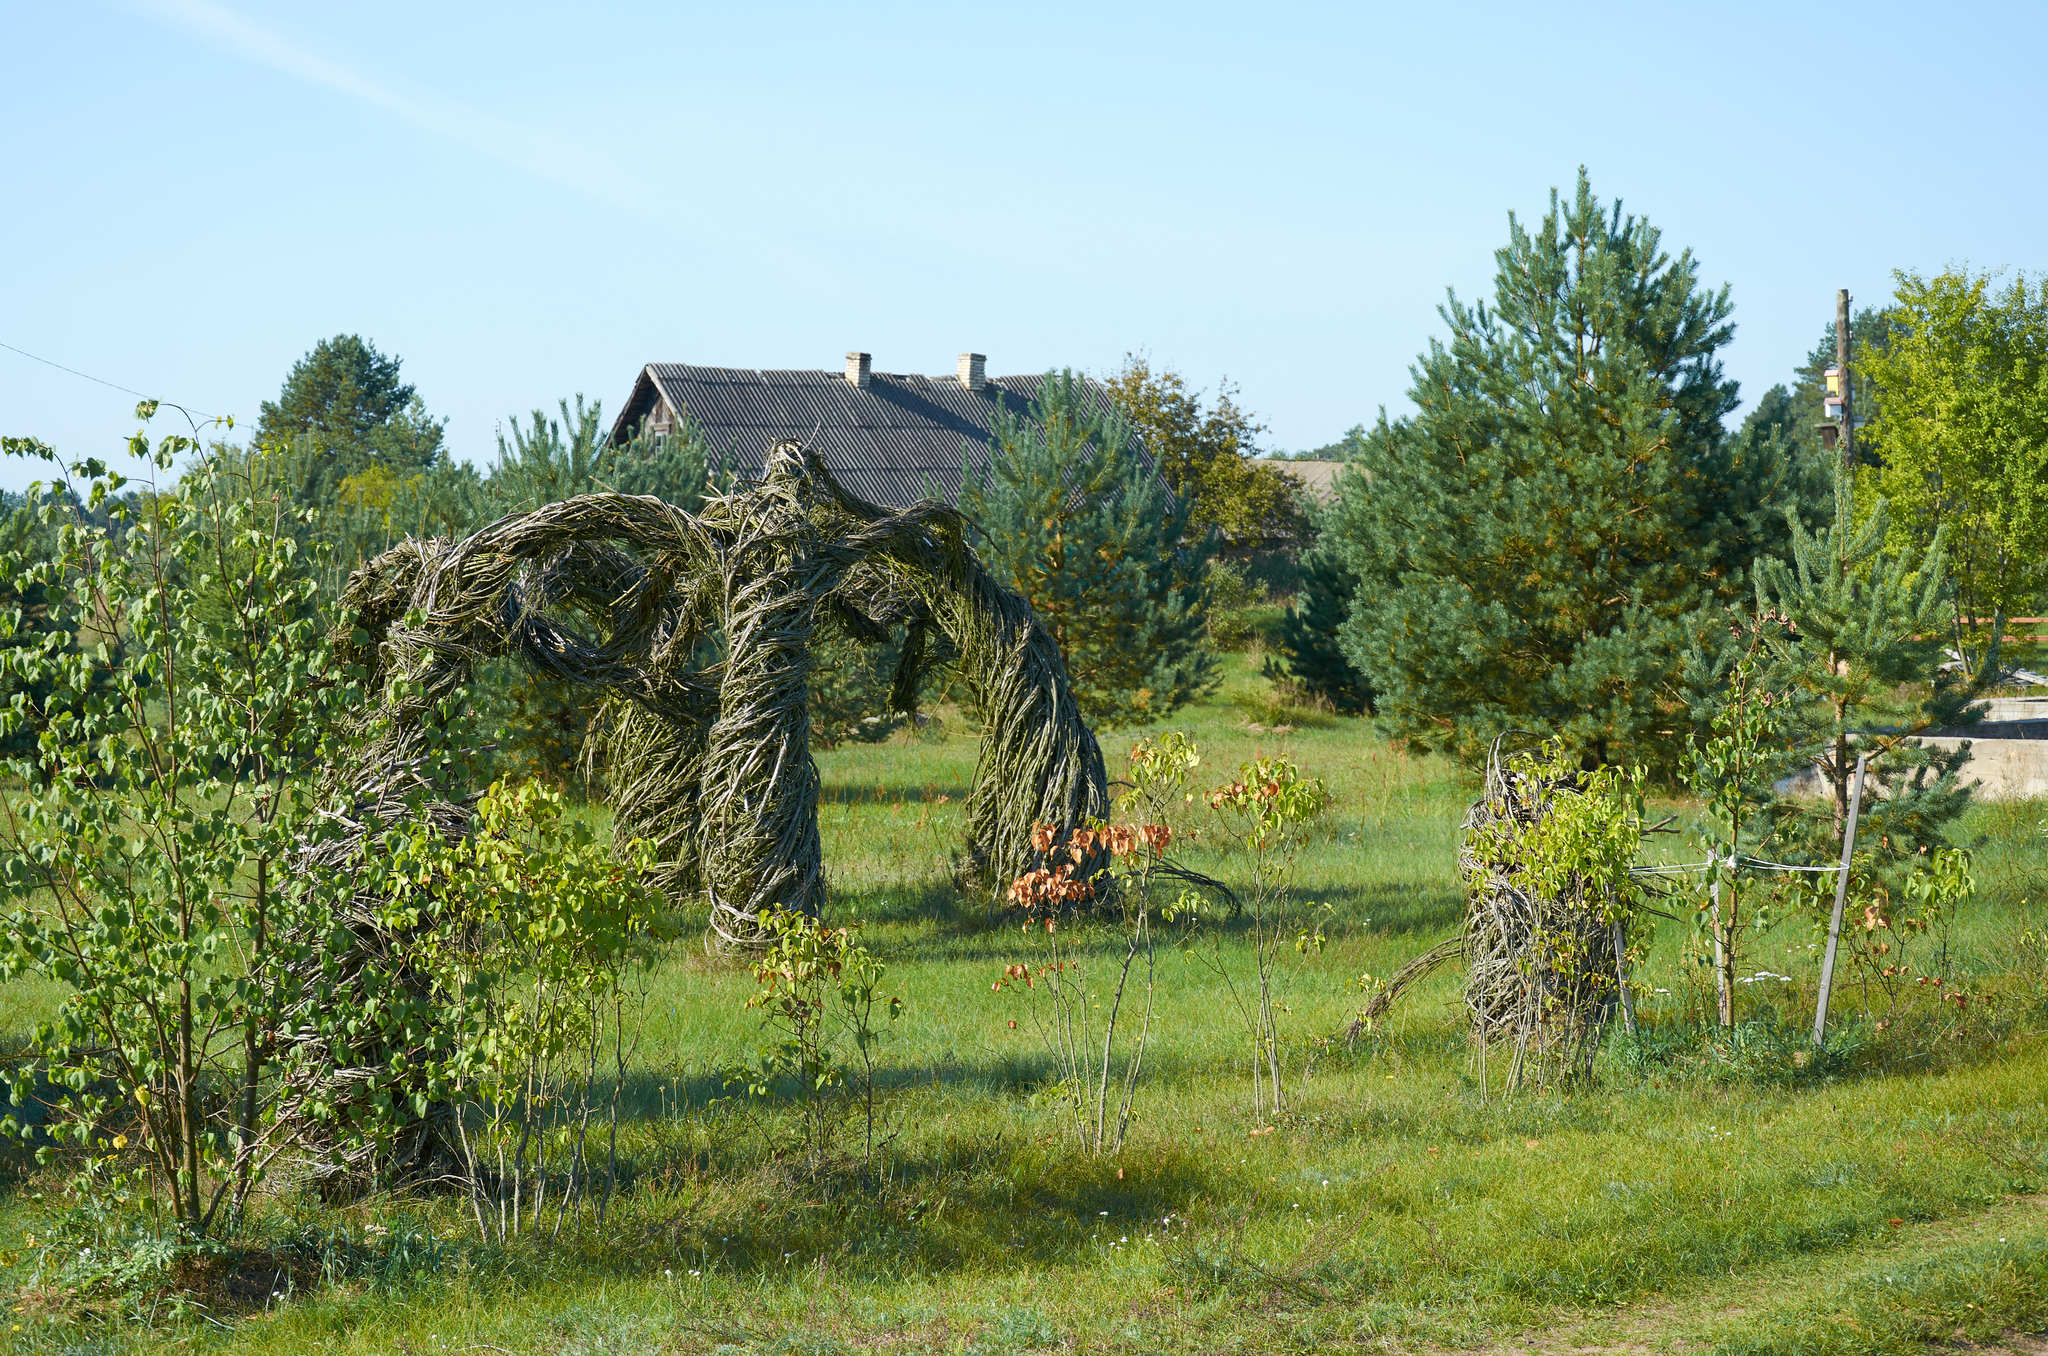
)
(1962, 420)
(1207, 455)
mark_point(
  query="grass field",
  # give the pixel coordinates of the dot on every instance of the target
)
(1725, 1194)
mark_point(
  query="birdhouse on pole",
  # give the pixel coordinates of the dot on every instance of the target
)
(1832, 406)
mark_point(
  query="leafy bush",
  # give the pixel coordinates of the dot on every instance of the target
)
(184, 697)
(524, 933)
(1238, 605)
(819, 993)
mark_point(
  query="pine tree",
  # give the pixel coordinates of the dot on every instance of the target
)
(1308, 633)
(550, 460)
(346, 407)
(1537, 542)
(1070, 513)
(1858, 646)
(677, 466)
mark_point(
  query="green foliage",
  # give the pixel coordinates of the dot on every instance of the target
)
(1856, 651)
(819, 992)
(1898, 938)
(850, 686)
(677, 467)
(1586, 844)
(377, 507)
(1537, 542)
(1071, 515)
(1555, 897)
(550, 459)
(1237, 602)
(24, 536)
(347, 407)
(1746, 1184)
(523, 934)
(1733, 771)
(1309, 633)
(1962, 417)
(1208, 456)
(145, 861)
(1776, 444)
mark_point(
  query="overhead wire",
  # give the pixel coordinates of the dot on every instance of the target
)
(186, 410)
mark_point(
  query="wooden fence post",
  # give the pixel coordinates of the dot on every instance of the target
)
(1827, 964)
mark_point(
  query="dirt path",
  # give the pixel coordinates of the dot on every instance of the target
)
(1677, 1323)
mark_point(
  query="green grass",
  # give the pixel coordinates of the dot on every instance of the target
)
(1724, 1195)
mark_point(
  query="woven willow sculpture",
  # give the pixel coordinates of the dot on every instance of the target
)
(711, 761)
(1540, 966)
(1544, 966)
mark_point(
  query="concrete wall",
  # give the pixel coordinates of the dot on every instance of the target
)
(2003, 769)
(2014, 767)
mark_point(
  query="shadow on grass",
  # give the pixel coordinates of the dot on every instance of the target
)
(987, 1201)
(652, 1096)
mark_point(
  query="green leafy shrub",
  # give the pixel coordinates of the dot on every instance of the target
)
(1239, 605)
(525, 934)
(184, 697)
(818, 991)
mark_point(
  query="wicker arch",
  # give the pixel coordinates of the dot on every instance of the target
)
(710, 760)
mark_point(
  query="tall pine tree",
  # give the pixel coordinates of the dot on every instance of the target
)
(345, 408)
(1070, 513)
(1537, 542)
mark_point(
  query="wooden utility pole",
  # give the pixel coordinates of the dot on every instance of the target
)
(1848, 438)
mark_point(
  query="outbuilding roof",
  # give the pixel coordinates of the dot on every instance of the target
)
(893, 441)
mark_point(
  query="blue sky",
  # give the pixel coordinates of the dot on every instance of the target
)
(527, 201)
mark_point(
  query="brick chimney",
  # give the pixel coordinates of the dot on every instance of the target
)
(860, 368)
(973, 371)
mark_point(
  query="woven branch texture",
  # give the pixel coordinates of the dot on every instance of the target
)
(695, 631)
(1540, 967)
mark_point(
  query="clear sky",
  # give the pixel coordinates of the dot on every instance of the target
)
(527, 201)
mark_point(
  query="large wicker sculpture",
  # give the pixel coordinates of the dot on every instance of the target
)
(711, 761)
(694, 631)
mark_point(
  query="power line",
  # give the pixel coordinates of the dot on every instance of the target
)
(110, 385)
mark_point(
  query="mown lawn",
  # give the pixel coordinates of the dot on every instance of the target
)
(1729, 1194)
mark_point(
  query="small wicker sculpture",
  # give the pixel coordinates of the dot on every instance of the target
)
(1540, 966)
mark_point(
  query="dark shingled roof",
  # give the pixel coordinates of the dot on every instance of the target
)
(895, 441)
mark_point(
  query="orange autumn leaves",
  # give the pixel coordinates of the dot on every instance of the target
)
(1042, 891)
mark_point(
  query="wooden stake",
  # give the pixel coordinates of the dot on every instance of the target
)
(1724, 994)
(1827, 963)
(1628, 1004)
